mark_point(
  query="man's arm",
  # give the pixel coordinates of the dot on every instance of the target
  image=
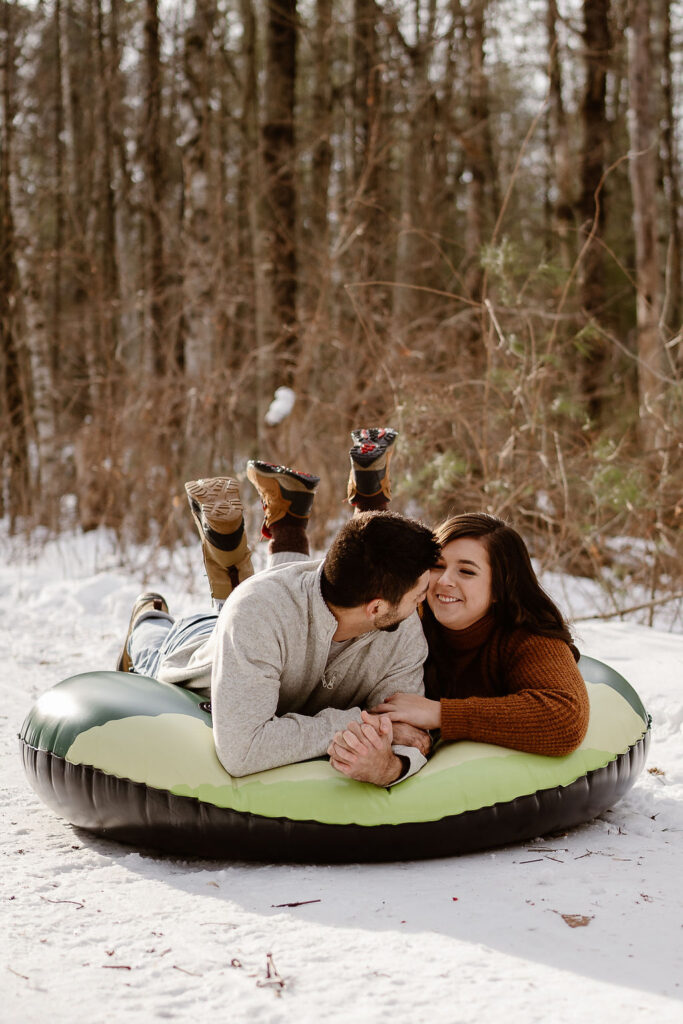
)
(249, 734)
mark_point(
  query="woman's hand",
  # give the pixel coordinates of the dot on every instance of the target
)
(411, 708)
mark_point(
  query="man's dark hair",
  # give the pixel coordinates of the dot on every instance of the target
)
(377, 555)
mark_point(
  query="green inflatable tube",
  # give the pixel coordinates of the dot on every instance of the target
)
(133, 759)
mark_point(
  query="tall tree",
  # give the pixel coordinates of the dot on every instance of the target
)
(279, 152)
(417, 211)
(322, 107)
(643, 174)
(153, 159)
(14, 402)
(483, 200)
(558, 142)
(201, 195)
(672, 313)
(593, 197)
(55, 332)
(367, 192)
(106, 327)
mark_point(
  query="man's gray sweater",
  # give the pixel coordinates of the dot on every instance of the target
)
(274, 698)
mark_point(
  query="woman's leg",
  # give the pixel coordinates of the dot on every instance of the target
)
(369, 487)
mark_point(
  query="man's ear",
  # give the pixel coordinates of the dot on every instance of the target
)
(373, 608)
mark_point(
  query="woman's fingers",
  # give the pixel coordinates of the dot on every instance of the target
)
(389, 711)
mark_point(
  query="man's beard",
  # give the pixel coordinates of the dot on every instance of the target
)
(388, 623)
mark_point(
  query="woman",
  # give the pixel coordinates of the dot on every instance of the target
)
(501, 666)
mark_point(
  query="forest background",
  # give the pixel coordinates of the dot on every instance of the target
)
(458, 217)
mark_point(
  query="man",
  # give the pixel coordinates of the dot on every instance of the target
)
(298, 652)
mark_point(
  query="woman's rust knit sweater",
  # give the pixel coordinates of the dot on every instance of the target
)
(515, 689)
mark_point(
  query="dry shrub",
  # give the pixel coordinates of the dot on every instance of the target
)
(496, 423)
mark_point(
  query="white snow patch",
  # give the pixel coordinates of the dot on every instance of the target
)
(281, 406)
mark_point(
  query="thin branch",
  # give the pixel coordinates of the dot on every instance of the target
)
(634, 608)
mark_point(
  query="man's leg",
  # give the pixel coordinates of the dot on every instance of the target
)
(217, 512)
(149, 622)
(153, 635)
(369, 487)
(287, 499)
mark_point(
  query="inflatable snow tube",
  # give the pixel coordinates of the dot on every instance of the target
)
(132, 759)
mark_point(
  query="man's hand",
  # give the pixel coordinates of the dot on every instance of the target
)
(411, 736)
(363, 751)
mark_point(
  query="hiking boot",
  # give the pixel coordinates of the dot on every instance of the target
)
(283, 492)
(217, 511)
(370, 456)
(147, 606)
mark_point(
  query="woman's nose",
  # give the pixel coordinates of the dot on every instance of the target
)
(448, 578)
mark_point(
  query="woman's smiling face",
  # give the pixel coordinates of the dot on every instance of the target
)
(460, 586)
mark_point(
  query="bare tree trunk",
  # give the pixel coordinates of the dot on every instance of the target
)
(103, 363)
(55, 333)
(478, 150)
(160, 356)
(597, 49)
(13, 403)
(367, 121)
(80, 118)
(672, 314)
(643, 174)
(563, 206)
(412, 249)
(200, 267)
(316, 239)
(254, 312)
(322, 127)
(280, 157)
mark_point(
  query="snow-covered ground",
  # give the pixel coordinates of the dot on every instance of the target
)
(582, 926)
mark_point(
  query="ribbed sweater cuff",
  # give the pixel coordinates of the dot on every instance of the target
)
(454, 720)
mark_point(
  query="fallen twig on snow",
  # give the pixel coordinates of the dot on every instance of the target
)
(301, 903)
(76, 904)
(272, 976)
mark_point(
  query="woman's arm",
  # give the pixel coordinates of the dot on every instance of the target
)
(412, 709)
(545, 712)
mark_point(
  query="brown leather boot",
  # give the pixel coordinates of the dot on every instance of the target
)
(283, 492)
(369, 485)
(217, 511)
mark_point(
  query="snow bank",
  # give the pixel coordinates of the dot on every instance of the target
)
(585, 925)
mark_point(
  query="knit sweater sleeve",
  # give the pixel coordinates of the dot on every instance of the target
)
(544, 712)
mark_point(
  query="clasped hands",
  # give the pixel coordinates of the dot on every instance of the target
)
(363, 751)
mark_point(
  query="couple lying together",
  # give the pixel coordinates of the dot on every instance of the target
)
(397, 633)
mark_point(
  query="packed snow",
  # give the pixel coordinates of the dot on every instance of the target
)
(586, 925)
